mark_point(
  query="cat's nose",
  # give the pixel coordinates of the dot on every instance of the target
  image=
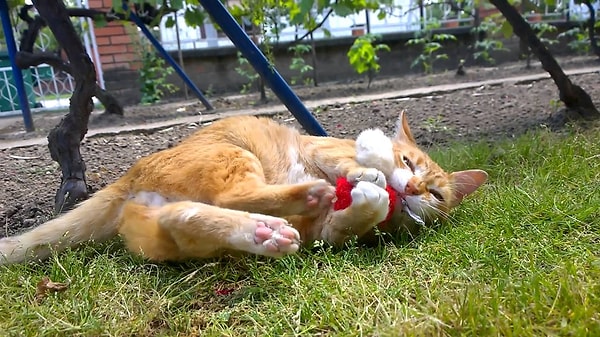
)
(414, 187)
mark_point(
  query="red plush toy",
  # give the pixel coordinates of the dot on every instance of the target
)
(344, 199)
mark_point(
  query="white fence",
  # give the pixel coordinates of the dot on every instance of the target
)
(46, 89)
(404, 17)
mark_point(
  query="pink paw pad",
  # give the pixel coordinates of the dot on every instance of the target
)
(276, 236)
(321, 195)
(262, 233)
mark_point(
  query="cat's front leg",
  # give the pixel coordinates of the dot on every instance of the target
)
(369, 207)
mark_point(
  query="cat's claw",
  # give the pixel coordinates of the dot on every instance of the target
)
(370, 175)
(274, 237)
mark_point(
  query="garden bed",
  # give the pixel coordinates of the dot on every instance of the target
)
(486, 113)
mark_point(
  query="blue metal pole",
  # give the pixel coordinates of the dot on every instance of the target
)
(168, 57)
(17, 74)
(260, 63)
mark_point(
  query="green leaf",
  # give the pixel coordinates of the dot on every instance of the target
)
(383, 47)
(170, 22)
(100, 21)
(321, 4)
(341, 9)
(176, 4)
(415, 62)
(306, 6)
(506, 29)
(117, 6)
(193, 17)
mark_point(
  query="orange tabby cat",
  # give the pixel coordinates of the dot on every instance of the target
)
(193, 200)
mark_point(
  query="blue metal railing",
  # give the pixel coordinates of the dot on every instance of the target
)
(18, 75)
(262, 66)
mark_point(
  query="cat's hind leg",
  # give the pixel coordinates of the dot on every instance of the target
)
(183, 230)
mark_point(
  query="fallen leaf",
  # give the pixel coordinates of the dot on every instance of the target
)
(94, 177)
(45, 285)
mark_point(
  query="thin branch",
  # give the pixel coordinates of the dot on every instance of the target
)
(31, 34)
(25, 60)
(319, 25)
(24, 13)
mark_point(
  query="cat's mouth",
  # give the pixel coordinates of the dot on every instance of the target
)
(406, 209)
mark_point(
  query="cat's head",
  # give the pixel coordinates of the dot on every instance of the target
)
(424, 190)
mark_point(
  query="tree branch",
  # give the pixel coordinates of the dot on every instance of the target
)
(25, 60)
(592, 28)
(319, 25)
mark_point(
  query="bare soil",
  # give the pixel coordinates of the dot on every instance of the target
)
(487, 113)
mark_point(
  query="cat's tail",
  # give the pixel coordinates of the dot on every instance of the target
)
(94, 219)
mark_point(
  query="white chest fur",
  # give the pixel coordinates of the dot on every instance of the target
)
(297, 171)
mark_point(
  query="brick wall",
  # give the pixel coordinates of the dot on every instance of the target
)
(114, 41)
(119, 60)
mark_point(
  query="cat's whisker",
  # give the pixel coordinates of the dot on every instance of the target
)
(436, 210)
(424, 214)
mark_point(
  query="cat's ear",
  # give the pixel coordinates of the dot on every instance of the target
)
(403, 133)
(465, 183)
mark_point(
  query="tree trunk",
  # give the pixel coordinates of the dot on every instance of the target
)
(573, 96)
(592, 28)
(64, 140)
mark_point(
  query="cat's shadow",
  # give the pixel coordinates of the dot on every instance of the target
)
(372, 249)
(221, 282)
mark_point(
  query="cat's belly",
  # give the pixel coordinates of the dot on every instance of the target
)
(151, 199)
(297, 171)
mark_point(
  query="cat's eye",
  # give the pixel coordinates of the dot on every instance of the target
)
(437, 195)
(408, 163)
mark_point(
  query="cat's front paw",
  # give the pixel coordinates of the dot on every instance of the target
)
(273, 236)
(319, 197)
(370, 201)
(370, 175)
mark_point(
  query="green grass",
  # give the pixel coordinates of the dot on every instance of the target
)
(519, 258)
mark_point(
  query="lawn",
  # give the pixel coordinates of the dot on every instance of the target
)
(519, 258)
